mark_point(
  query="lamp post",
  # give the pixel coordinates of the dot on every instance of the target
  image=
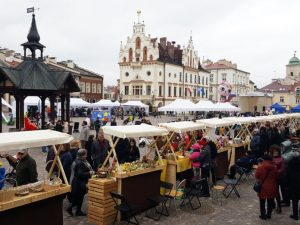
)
(120, 97)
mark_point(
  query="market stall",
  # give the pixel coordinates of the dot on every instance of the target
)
(179, 165)
(137, 181)
(41, 202)
(218, 130)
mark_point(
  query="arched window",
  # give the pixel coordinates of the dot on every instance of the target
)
(145, 54)
(124, 59)
(138, 43)
(151, 57)
(190, 58)
(130, 55)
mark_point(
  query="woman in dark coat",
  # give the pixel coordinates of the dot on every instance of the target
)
(82, 172)
(133, 152)
(267, 175)
(292, 178)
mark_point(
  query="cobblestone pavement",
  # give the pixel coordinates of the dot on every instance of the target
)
(234, 211)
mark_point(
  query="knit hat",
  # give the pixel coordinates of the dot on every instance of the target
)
(195, 146)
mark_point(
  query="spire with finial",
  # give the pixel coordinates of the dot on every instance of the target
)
(139, 28)
(139, 15)
(33, 38)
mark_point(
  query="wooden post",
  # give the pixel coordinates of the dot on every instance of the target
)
(22, 111)
(43, 98)
(113, 145)
(52, 114)
(17, 112)
(68, 108)
(0, 113)
(62, 113)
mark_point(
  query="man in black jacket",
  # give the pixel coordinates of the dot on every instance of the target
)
(205, 160)
(26, 168)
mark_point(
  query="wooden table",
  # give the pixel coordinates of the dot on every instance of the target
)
(44, 208)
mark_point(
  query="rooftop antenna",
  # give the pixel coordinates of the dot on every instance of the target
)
(139, 14)
(32, 9)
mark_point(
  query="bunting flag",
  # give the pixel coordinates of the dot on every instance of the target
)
(202, 92)
(30, 10)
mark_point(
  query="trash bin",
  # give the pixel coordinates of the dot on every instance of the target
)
(70, 130)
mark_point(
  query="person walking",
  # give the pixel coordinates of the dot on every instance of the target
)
(266, 173)
(292, 178)
(84, 134)
(97, 125)
(82, 172)
(100, 148)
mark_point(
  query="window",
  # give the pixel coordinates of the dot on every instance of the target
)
(145, 54)
(169, 74)
(126, 90)
(137, 90)
(169, 93)
(281, 99)
(292, 74)
(160, 91)
(185, 92)
(175, 92)
(224, 76)
(180, 94)
(202, 80)
(124, 59)
(211, 78)
(130, 55)
(210, 89)
(93, 88)
(186, 77)
(195, 92)
(206, 80)
(151, 57)
(99, 88)
(195, 79)
(191, 78)
(127, 74)
(180, 77)
(199, 78)
(138, 43)
(87, 87)
(206, 93)
(148, 73)
(159, 73)
(82, 87)
(148, 90)
(174, 75)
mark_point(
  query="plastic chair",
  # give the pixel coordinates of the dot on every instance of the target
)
(160, 200)
(127, 210)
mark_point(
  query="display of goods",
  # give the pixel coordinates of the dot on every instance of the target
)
(137, 165)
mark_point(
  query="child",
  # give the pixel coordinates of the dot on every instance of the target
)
(193, 157)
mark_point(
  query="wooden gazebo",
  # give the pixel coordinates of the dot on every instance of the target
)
(33, 77)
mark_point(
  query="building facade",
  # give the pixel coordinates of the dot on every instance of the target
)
(286, 91)
(226, 71)
(156, 71)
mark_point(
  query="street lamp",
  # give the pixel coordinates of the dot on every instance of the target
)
(120, 97)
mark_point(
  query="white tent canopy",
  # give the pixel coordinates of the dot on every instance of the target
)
(240, 120)
(182, 126)
(225, 107)
(106, 103)
(205, 105)
(78, 102)
(179, 105)
(143, 130)
(32, 139)
(136, 104)
(215, 122)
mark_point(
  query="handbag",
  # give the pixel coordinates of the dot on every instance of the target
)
(257, 185)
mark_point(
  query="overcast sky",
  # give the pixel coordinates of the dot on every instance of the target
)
(259, 35)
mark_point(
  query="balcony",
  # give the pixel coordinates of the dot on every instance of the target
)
(136, 64)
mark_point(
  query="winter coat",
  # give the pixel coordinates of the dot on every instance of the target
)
(279, 163)
(255, 144)
(84, 134)
(194, 156)
(66, 161)
(81, 175)
(132, 154)
(26, 171)
(292, 177)
(99, 152)
(205, 157)
(267, 171)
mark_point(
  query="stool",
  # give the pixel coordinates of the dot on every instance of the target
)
(217, 193)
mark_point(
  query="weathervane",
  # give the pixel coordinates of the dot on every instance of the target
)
(32, 9)
(139, 14)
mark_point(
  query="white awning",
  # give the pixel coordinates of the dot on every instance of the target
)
(215, 122)
(179, 105)
(135, 103)
(32, 139)
(131, 131)
(182, 126)
(240, 120)
(205, 105)
(106, 103)
(78, 102)
(225, 107)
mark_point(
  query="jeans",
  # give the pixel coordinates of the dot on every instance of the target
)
(295, 203)
(270, 204)
(205, 175)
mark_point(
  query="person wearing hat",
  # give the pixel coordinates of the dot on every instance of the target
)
(194, 158)
(26, 171)
(81, 173)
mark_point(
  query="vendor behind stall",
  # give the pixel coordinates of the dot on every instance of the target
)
(26, 168)
(132, 152)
